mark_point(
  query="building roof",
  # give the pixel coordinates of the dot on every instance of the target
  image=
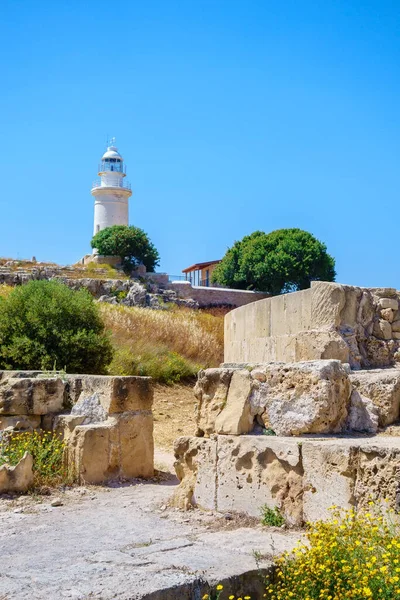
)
(199, 266)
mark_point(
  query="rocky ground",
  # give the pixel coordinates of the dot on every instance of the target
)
(124, 542)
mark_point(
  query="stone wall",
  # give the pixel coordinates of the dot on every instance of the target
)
(310, 397)
(156, 286)
(210, 296)
(243, 458)
(356, 325)
(106, 422)
(302, 478)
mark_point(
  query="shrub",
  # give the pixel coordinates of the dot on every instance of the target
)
(45, 325)
(351, 556)
(271, 516)
(47, 450)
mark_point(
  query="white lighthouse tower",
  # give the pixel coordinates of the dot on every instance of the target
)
(111, 192)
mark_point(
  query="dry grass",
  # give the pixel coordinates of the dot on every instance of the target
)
(5, 290)
(170, 345)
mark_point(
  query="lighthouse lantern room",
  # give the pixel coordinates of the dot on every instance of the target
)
(111, 192)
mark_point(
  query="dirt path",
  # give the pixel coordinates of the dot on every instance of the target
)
(173, 412)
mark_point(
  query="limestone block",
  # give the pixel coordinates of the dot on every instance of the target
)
(64, 425)
(327, 302)
(298, 312)
(349, 312)
(257, 470)
(382, 330)
(236, 417)
(90, 452)
(382, 387)
(20, 422)
(378, 473)
(122, 446)
(211, 391)
(136, 446)
(116, 394)
(317, 344)
(18, 478)
(90, 408)
(392, 303)
(387, 314)
(305, 397)
(329, 478)
(366, 309)
(31, 396)
(195, 466)
(396, 326)
(278, 320)
(378, 352)
(363, 414)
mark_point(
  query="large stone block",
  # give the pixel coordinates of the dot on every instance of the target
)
(382, 388)
(122, 446)
(378, 473)
(195, 466)
(235, 417)
(305, 397)
(329, 477)
(327, 303)
(31, 396)
(116, 394)
(136, 446)
(211, 391)
(91, 452)
(316, 345)
(253, 471)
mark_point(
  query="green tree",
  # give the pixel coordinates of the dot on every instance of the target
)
(131, 244)
(282, 261)
(45, 324)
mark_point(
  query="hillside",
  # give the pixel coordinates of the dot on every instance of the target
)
(168, 345)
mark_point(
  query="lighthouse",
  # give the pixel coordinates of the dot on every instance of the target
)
(111, 192)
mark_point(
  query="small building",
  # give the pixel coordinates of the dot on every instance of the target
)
(200, 273)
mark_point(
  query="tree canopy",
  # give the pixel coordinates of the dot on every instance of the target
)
(46, 325)
(282, 261)
(130, 243)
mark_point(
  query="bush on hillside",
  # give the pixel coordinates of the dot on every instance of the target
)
(131, 244)
(282, 261)
(45, 325)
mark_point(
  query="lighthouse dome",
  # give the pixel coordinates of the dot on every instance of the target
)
(112, 152)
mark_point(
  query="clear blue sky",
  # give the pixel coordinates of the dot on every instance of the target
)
(231, 115)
